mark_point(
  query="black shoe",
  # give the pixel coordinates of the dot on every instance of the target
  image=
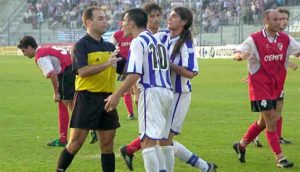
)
(284, 163)
(240, 152)
(56, 143)
(94, 137)
(257, 143)
(212, 167)
(127, 157)
(131, 117)
(284, 141)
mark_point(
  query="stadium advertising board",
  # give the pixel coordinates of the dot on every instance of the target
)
(210, 52)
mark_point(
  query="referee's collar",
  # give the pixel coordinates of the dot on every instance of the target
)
(93, 40)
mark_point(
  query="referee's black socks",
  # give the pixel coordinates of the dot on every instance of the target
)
(108, 162)
(64, 160)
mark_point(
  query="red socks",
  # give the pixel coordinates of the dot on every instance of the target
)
(272, 138)
(279, 126)
(134, 146)
(251, 133)
(63, 122)
(128, 102)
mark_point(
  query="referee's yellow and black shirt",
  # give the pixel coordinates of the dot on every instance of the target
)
(88, 51)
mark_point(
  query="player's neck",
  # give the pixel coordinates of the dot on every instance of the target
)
(153, 30)
(137, 31)
(175, 33)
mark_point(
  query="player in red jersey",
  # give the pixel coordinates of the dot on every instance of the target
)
(123, 43)
(267, 52)
(56, 64)
(285, 14)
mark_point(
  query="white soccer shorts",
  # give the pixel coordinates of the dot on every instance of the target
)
(154, 109)
(180, 106)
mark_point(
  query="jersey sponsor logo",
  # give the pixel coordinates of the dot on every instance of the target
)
(273, 57)
(125, 44)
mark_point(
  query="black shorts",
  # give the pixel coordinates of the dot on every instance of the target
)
(66, 82)
(263, 105)
(89, 112)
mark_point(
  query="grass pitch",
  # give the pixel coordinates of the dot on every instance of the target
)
(219, 115)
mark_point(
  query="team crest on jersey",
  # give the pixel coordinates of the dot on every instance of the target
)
(280, 46)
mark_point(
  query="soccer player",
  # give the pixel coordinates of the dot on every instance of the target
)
(123, 43)
(154, 14)
(56, 64)
(267, 52)
(148, 65)
(184, 67)
(285, 14)
(94, 63)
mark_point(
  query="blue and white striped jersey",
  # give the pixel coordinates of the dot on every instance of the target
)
(149, 58)
(186, 58)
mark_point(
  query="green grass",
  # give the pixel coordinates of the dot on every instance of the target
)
(219, 115)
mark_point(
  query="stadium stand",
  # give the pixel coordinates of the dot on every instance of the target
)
(217, 22)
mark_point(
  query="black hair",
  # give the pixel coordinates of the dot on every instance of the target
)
(149, 7)
(187, 15)
(138, 16)
(27, 41)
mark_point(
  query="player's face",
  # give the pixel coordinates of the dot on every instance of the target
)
(126, 26)
(175, 22)
(99, 22)
(28, 52)
(274, 21)
(154, 19)
(284, 20)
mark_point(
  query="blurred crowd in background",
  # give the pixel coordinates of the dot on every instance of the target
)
(209, 14)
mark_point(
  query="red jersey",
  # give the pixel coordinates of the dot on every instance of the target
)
(52, 59)
(268, 81)
(123, 43)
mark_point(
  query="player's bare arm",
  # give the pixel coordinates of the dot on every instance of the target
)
(182, 71)
(93, 69)
(55, 85)
(113, 100)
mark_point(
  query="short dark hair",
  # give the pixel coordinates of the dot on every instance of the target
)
(27, 41)
(283, 10)
(138, 16)
(88, 13)
(149, 7)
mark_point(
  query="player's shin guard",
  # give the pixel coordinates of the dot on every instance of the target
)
(273, 138)
(251, 133)
(63, 117)
(151, 163)
(128, 102)
(108, 162)
(168, 153)
(134, 146)
(64, 160)
(187, 156)
(279, 127)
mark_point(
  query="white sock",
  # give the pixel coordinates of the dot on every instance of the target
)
(168, 152)
(151, 163)
(161, 159)
(187, 156)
